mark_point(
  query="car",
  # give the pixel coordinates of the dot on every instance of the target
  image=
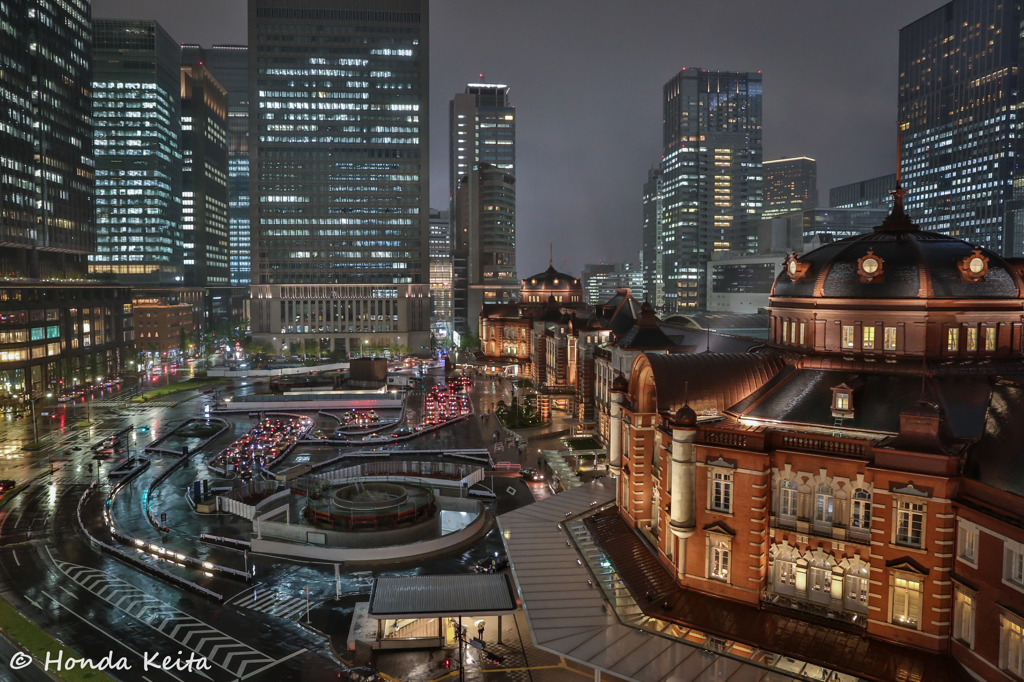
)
(6, 484)
(492, 564)
(531, 475)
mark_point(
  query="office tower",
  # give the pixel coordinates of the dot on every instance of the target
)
(137, 113)
(229, 64)
(46, 146)
(873, 193)
(790, 185)
(711, 174)
(482, 149)
(339, 182)
(958, 94)
(204, 146)
(801, 231)
(652, 258)
(602, 281)
(485, 236)
(441, 270)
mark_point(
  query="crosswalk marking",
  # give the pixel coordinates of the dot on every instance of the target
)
(271, 603)
(220, 649)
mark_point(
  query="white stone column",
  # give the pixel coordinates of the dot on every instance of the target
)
(615, 436)
(684, 486)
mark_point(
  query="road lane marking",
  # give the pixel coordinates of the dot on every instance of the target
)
(116, 639)
(15, 555)
(209, 639)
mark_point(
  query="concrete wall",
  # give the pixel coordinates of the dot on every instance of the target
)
(362, 555)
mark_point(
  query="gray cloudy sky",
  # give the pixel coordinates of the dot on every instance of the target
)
(586, 80)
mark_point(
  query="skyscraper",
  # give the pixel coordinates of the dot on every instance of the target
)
(873, 193)
(959, 93)
(652, 259)
(711, 182)
(338, 151)
(790, 185)
(602, 281)
(441, 269)
(482, 168)
(137, 112)
(229, 64)
(46, 145)
(204, 136)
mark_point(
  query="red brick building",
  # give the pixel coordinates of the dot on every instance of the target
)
(859, 477)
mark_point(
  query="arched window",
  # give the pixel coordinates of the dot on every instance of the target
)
(787, 501)
(860, 513)
(855, 589)
(824, 503)
(785, 573)
(819, 580)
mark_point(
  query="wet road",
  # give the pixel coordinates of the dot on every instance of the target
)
(96, 604)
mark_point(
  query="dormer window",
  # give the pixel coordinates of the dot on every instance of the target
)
(842, 399)
(795, 268)
(974, 267)
(869, 267)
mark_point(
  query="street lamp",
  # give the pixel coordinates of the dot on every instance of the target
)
(32, 403)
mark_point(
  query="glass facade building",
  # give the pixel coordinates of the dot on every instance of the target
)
(959, 98)
(601, 281)
(137, 113)
(441, 269)
(204, 135)
(711, 181)
(482, 172)
(651, 257)
(873, 193)
(338, 142)
(229, 64)
(790, 185)
(46, 139)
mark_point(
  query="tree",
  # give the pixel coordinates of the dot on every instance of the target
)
(469, 342)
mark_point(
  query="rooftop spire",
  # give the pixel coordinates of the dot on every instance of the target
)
(898, 220)
(551, 260)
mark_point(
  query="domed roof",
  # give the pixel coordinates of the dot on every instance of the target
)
(685, 416)
(551, 280)
(904, 262)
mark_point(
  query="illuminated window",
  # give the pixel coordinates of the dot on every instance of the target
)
(1011, 644)
(855, 588)
(990, 339)
(848, 336)
(869, 337)
(785, 331)
(842, 402)
(802, 325)
(906, 602)
(963, 618)
(719, 559)
(890, 338)
(785, 574)
(972, 339)
(953, 339)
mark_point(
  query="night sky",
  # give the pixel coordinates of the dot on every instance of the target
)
(587, 78)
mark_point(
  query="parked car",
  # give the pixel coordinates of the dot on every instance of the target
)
(531, 475)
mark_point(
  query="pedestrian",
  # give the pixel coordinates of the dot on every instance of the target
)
(480, 625)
